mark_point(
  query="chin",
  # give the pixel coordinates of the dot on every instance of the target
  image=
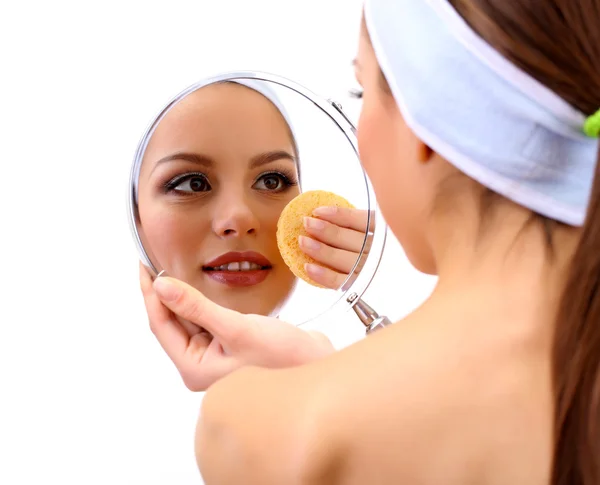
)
(264, 310)
(267, 299)
(242, 305)
(246, 304)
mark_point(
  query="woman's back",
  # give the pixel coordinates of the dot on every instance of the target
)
(460, 391)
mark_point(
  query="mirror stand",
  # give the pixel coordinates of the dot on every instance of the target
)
(367, 315)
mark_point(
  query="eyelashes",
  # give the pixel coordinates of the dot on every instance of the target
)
(198, 182)
(286, 177)
(356, 93)
(195, 183)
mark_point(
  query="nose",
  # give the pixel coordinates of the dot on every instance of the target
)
(234, 217)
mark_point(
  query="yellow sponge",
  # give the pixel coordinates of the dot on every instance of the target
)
(291, 225)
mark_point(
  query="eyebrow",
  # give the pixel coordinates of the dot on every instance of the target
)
(207, 162)
(269, 157)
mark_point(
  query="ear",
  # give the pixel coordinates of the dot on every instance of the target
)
(424, 152)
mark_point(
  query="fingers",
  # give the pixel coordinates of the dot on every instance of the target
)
(355, 219)
(325, 276)
(198, 356)
(170, 334)
(337, 259)
(146, 281)
(215, 364)
(206, 363)
(189, 327)
(337, 237)
(334, 235)
(189, 304)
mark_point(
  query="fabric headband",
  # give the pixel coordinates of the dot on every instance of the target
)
(479, 111)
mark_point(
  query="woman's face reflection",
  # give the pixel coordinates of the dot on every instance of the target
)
(217, 173)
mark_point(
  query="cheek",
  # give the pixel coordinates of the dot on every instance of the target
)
(368, 136)
(388, 153)
(380, 144)
(268, 213)
(173, 233)
(268, 209)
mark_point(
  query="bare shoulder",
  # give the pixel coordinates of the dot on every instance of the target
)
(429, 401)
(436, 398)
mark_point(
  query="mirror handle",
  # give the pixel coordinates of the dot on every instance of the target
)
(367, 315)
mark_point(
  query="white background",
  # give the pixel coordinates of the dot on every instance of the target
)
(86, 394)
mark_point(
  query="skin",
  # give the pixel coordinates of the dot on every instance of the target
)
(458, 392)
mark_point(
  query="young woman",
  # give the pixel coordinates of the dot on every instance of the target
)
(217, 172)
(479, 131)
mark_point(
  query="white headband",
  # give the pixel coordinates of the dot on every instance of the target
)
(483, 114)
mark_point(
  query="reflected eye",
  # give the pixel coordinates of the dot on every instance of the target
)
(191, 182)
(273, 182)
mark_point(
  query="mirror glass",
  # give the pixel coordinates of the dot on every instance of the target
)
(212, 176)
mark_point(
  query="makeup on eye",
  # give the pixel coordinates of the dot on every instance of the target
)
(196, 181)
(356, 93)
(190, 183)
(286, 179)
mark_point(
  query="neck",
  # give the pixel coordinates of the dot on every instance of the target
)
(507, 262)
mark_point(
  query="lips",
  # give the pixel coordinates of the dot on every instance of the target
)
(237, 269)
(238, 261)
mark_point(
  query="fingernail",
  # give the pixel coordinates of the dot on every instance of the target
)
(309, 243)
(314, 269)
(311, 223)
(325, 211)
(166, 289)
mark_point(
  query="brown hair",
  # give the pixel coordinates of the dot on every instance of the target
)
(558, 43)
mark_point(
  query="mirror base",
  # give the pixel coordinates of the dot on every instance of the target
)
(367, 315)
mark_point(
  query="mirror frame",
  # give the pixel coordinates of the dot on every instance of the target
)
(367, 263)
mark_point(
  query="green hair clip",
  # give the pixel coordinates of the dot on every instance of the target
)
(591, 127)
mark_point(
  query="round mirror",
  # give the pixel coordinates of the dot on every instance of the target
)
(213, 173)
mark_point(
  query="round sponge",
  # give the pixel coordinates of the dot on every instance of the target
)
(290, 227)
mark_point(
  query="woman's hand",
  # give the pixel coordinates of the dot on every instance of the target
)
(206, 341)
(337, 236)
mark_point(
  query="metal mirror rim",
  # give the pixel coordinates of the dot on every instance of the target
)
(367, 263)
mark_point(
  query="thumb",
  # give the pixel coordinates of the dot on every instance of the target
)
(188, 303)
